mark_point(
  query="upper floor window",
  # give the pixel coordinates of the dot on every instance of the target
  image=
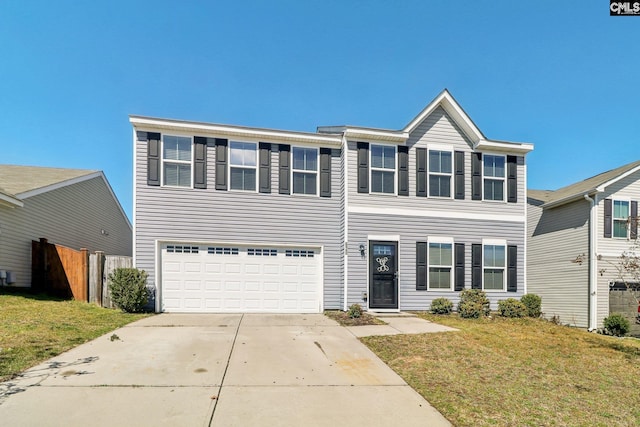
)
(439, 173)
(176, 161)
(305, 170)
(383, 169)
(494, 177)
(493, 264)
(620, 218)
(242, 165)
(440, 265)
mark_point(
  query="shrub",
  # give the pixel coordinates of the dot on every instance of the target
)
(616, 324)
(128, 289)
(473, 304)
(533, 303)
(511, 307)
(355, 311)
(441, 306)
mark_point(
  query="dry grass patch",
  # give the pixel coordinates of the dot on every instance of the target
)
(343, 318)
(519, 372)
(34, 328)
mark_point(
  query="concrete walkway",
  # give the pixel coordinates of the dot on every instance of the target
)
(217, 370)
(399, 323)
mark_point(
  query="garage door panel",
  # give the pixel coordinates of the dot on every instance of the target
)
(216, 278)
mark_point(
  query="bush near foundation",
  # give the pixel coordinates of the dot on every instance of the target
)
(511, 307)
(533, 303)
(441, 306)
(128, 289)
(473, 304)
(616, 324)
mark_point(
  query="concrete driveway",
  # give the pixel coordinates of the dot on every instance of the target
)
(217, 370)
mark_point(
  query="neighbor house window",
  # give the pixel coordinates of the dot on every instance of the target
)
(176, 161)
(494, 262)
(242, 165)
(494, 177)
(439, 173)
(383, 169)
(620, 218)
(440, 265)
(305, 170)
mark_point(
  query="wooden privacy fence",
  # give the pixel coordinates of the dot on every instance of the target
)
(69, 273)
(100, 266)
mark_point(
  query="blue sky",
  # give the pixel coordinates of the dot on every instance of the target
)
(562, 75)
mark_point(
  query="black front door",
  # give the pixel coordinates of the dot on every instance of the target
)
(383, 280)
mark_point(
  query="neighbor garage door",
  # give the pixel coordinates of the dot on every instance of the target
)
(240, 279)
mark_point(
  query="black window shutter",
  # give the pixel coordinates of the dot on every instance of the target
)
(265, 167)
(325, 172)
(153, 158)
(608, 223)
(283, 172)
(403, 170)
(459, 263)
(200, 162)
(512, 179)
(633, 221)
(476, 266)
(363, 167)
(512, 268)
(421, 266)
(476, 176)
(221, 164)
(459, 177)
(421, 172)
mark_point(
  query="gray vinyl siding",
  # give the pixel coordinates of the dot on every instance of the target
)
(412, 229)
(558, 238)
(71, 216)
(209, 215)
(438, 128)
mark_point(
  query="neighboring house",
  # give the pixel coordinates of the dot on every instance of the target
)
(237, 219)
(69, 207)
(576, 236)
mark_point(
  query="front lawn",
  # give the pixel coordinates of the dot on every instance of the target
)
(34, 328)
(519, 372)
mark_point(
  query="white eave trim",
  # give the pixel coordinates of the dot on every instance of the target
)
(571, 198)
(209, 129)
(601, 188)
(503, 147)
(367, 134)
(12, 202)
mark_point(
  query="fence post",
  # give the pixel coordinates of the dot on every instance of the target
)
(85, 273)
(99, 277)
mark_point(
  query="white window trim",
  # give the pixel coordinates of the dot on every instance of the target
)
(613, 218)
(317, 171)
(229, 166)
(439, 147)
(441, 240)
(495, 242)
(182, 162)
(395, 170)
(503, 179)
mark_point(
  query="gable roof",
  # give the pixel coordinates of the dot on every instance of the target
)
(17, 180)
(592, 185)
(446, 101)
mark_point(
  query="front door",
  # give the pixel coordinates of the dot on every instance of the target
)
(383, 275)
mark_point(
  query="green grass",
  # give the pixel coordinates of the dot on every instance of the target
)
(34, 328)
(519, 372)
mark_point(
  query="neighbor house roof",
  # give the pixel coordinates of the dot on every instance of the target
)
(17, 180)
(589, 186)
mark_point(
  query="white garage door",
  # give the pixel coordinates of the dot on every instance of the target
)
(240, 279)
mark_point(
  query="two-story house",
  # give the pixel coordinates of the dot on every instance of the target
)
(576, 237)
(238, 219)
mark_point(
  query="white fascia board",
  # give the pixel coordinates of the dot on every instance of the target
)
(397, 137)
(425, 213)
(265, 135)
(504, 147)
(601, 188)
(454, 110)
(569, 199)
(12, 202)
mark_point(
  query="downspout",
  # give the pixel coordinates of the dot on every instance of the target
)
(345, 214)
(593, 263)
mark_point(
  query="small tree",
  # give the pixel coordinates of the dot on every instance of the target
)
(128, 289)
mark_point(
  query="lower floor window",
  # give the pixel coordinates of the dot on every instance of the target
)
(494, 262)
(440, 265)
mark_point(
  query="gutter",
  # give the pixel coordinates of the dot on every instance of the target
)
(593, 262)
